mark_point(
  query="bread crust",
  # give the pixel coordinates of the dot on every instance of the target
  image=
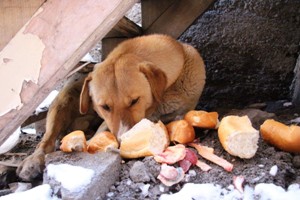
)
(286, 138)
(202, 119)
(181, 131)
(102, 141)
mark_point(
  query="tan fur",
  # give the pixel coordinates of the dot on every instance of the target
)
(152, 77)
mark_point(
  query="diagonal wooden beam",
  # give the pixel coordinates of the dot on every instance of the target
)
(13, 15)
(46, 49)
(174, 18)
(125, 28)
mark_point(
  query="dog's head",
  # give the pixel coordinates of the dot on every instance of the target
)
(122, 91)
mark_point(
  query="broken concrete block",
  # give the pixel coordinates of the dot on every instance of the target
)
(82, 175)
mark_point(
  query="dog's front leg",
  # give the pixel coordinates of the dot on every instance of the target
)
(61, 114)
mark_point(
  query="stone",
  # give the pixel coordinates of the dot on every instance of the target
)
(139, 173)
(106, 167)
(7, 175)
(296, 161)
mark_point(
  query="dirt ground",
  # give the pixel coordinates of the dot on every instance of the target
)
(255, 170)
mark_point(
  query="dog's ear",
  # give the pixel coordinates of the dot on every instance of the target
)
(85, 96)
(156, 77)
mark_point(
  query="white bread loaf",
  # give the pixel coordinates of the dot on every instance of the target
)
(144, 139)
(181, 131)
(286, 138)
(238, 137)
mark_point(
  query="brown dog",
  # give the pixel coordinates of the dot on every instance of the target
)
(152, 77)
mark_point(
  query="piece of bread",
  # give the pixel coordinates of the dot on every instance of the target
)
(102, 141)
(181, 131)
(144, 139)
(238, 137)
(286, 138)
(202, 119)
(74, 141)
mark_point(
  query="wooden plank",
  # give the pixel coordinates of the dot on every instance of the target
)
(108, 44)
(178, 17)
(125, 28)
(152, 10)
(13, 15)
(35, 118)
(46, 49)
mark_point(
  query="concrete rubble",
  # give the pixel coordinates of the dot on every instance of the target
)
(106, 167)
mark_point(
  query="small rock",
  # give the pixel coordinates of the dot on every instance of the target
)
(155, 191)
(139, 173)
(7, 175)
(296, 161)
(273, 171)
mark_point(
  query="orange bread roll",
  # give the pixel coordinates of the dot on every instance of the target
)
(181, 131)
(144, 139)
(74, 141)
(102, 141)
(202, 119)
(238, 137)
(286, 138)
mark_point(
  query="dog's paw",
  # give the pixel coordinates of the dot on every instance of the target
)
(32, 167)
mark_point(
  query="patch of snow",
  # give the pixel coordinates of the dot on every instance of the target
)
(129, 182)
(10, 142)
(296, 120)
(29, 130)
(46, 103)
(145, 189)
(161, 188)
(72, 178)
(110, 194)
(270, 191)
(209, 191)
(88, 58)
(273, 171)
(287, 104)
(195, 191)
(42, 192)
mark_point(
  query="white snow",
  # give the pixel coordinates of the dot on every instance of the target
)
(88, 58)
(273, 170)
(29, 130)
(145, 189)
(76, 178)
(42, 192)
(262, 191)
(296, 120)
(195, 191)
(287, 104)
(72, 178)
(11, 142)
(46, 103)
(270, 191)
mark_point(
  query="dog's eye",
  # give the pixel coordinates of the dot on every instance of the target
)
(106, 107)
(134, 101)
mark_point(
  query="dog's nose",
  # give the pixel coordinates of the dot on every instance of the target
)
(123, 127)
